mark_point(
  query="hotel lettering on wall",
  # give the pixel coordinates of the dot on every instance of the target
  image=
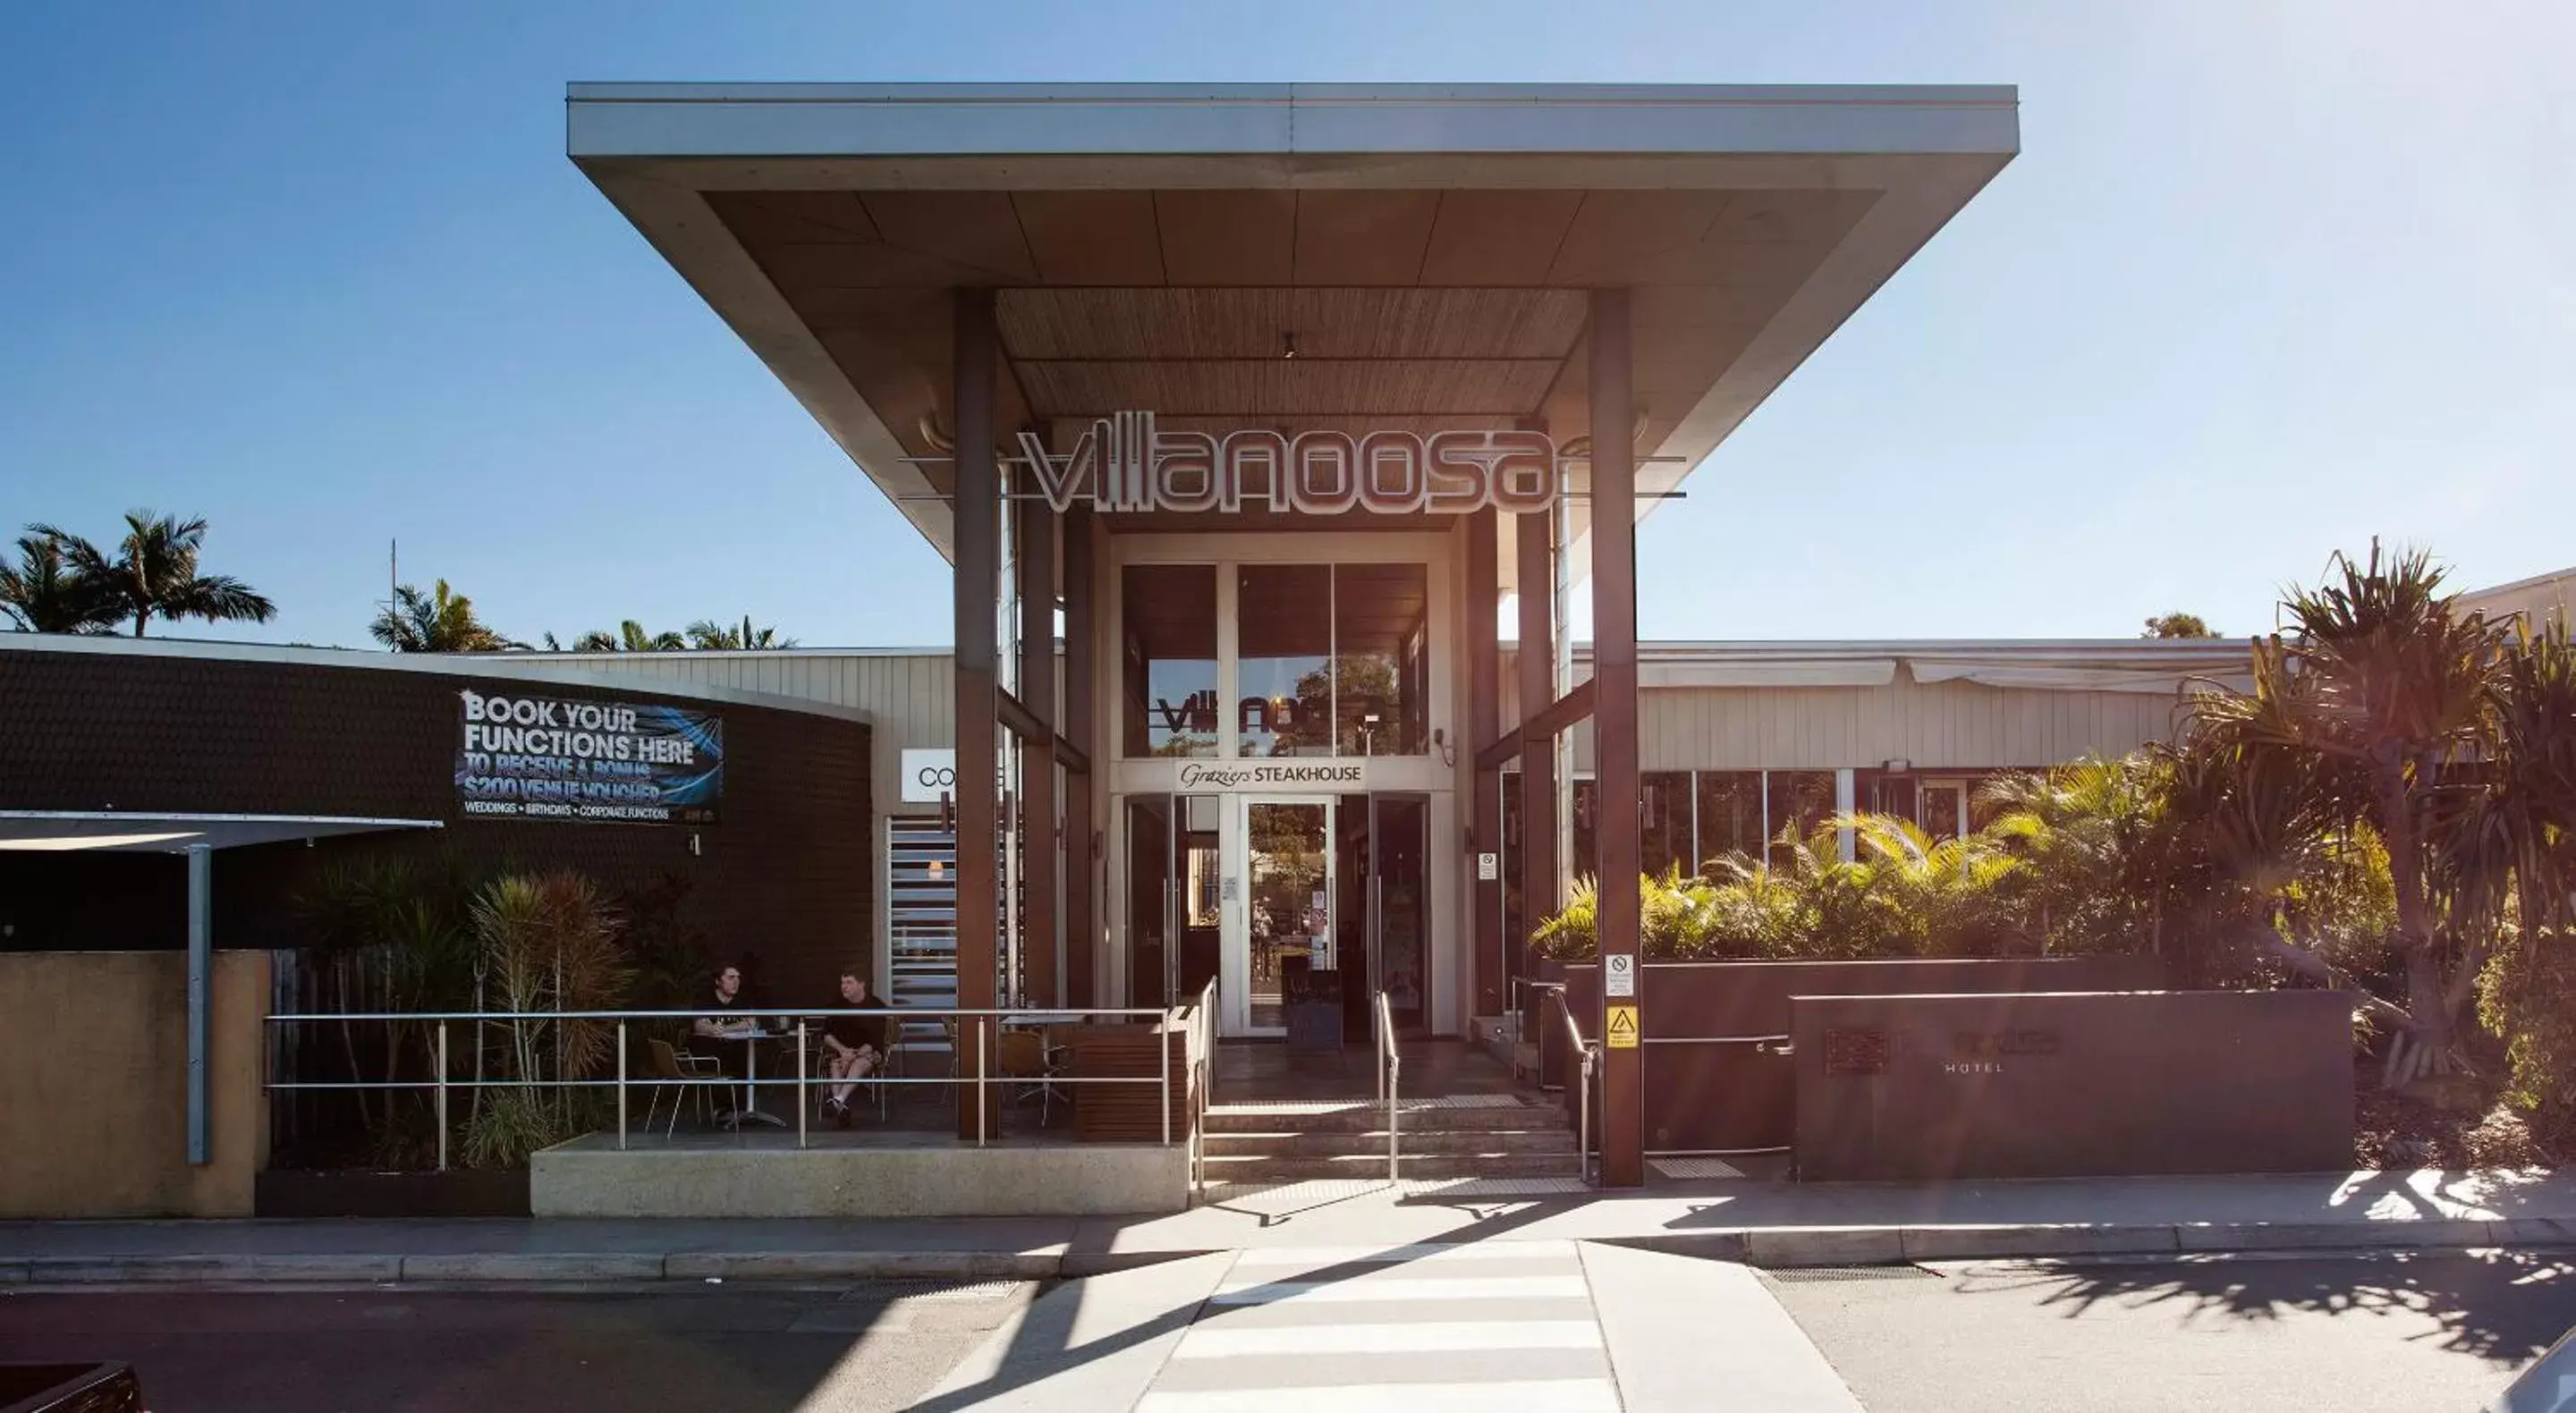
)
(531, 757)
(1123, 462)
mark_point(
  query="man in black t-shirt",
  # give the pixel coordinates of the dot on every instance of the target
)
(853, 1046)
(720, 1031)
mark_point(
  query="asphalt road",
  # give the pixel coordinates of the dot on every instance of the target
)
(2427, 1334)
(709, 1350)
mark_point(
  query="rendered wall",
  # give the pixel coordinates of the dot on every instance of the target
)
(94, 1085)
(1913, 1088)
(1702, 1096)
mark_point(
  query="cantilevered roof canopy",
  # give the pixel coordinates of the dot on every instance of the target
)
(124, 831)
(1286, 256)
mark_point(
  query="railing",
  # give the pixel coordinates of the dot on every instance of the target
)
(1519, 1009)
(982, 1021)
(1589, 1052)
(1389, 1071)
(1202, 1052)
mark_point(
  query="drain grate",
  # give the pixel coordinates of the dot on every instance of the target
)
(1695, 1168)
(1802, 1275)
(932, 1292)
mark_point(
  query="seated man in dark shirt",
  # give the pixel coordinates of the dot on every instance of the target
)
(853, 1046)
(720, 1032)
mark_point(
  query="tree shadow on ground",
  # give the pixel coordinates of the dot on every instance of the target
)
(2505, 1306)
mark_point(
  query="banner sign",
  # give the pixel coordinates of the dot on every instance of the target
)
(1122, 463)
(596, 762)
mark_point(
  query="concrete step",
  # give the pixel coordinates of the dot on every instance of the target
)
(1363, 1116)
(1289, 1143)
(1268, 1168)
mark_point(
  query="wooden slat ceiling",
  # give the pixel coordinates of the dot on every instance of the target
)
(1404, 308)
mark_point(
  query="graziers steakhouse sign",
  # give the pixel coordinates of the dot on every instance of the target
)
(597, 762)
(1123, 462)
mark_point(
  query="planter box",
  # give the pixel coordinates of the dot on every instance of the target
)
(1126, 1113)
(1707, 1088)
(462, 1192)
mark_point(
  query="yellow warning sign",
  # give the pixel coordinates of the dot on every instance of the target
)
(1623, 1027)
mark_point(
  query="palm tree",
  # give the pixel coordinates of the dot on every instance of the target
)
(435, 622)
(2378, 697)
(155, 572)
(708, 635)
(630, 637)
(45, 593)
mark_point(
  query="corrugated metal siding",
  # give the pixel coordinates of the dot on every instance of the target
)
(910, 698)
(1936, 725)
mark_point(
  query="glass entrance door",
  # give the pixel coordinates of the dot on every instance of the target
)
(1284, 925)
(1399, 915)
(1172, 909)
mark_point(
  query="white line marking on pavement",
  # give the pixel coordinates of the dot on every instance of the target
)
(1554, 1395)
(1315, 1256)
(1448, 1337)
(1409, 1291)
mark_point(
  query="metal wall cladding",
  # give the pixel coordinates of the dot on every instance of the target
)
(788, 877)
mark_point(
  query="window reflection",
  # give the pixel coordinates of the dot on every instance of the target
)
(1730, 815)
(1801, 801)
(1169, 652)
(1381, 641)
(1284, 614)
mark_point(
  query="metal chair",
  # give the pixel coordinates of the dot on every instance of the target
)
(670, 1070)
(1024, 1058)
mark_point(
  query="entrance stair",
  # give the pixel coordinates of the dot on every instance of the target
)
(1452, 1136)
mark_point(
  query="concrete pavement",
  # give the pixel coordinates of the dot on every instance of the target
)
(1767, 1224)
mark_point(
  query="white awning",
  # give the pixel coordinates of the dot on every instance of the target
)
(1770, 672)
(1989, 672)
(139, 832)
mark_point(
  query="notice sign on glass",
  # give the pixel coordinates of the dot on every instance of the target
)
(530, 757)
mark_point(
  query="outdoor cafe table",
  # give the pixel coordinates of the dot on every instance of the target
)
(751, 1040)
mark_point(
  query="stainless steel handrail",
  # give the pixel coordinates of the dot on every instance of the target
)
(752, 1082)
(1203, 1047)
(1390, 1072)
(1586, 1049)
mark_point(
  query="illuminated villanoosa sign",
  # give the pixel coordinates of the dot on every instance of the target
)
(1125, 464)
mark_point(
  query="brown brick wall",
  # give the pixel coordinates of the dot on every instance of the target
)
(787, 877)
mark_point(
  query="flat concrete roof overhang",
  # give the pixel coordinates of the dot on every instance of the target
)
(1423, 251)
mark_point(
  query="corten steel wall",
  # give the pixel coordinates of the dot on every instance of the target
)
(1896, 1088)
(94, 1085)
(1738, 1096)
(788, 876)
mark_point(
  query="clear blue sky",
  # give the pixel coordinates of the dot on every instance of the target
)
(2266, 279)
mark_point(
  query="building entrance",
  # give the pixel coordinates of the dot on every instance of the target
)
(1289, 903)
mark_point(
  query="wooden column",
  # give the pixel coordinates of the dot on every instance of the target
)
(1081, 887)
(976, 516)
(1614, 719)
(1485, 787)
(1040, 843)
(1538, 763)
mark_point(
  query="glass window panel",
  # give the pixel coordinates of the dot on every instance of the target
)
(1587, 855)
(1730, 814)
(1284, 618)
(1169, 666)
(1665, 824)
(1801, 800)
(1381, 638)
